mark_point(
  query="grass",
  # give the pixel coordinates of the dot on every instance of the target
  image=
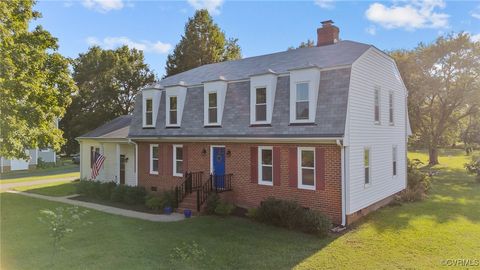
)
(66, 171)
(56, 189)
(411, 236)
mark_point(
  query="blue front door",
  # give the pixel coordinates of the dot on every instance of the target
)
(219, 166)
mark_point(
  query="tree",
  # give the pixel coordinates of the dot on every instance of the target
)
(35, 83)
(308, 44)
(108, 81)
(444, 88)
(203, 43)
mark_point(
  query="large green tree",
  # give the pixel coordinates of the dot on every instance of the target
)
(443, 80)
(35, 84)
(202, 43)
(108, 81)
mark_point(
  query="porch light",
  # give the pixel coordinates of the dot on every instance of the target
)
(204, 152)
(229, 153)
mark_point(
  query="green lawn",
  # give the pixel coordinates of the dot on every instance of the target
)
(57, 189)
(66, 171)
(411, 236)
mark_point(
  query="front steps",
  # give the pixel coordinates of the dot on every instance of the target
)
(189, 202)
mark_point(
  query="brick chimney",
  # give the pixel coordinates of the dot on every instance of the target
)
(327, 34)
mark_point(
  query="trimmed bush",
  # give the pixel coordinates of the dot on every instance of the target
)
(134, 195)
(291, 215)
(212, 203)
(118, 193)
(105, 190)
(224, 209)
(167, 198)
(153, 202)
(252, 213)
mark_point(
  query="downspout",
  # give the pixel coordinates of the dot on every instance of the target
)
(342, 158)
(135, 168)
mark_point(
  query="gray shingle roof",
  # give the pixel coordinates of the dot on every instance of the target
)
(117, 128)
(338, 54)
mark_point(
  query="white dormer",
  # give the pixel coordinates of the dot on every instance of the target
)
(214, 93)
(304, 84)
(262, 97)
(150, 104)
(174, 104)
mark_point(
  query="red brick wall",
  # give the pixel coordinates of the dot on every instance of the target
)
(245, 193)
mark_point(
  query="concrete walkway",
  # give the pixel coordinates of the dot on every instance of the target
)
(105, 208)
(33, 183)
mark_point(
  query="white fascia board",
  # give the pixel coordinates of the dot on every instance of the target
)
(154, 94)
(180, 92)
(312, 76)
(220, 87)
(269, 81)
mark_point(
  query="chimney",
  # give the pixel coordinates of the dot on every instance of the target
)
(327, 34)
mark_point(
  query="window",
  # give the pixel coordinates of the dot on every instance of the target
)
(301, 103)
(306, 167)
(153, 158)
(265, 165)
(390, 101)
(173, 110)
(177, 160)
(212, 108)
(394, 160)
(148, 112)
(366, 165)
(261, 104)
(377, 105)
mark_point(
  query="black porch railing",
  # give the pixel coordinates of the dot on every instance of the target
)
(215, 183)
(192, 181)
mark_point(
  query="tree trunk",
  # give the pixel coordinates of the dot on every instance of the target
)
(433, 156)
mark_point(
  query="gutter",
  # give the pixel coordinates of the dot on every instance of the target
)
(343, 170)
(241, 139)
(136, 160)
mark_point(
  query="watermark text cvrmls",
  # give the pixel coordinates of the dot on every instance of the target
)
(461, 262)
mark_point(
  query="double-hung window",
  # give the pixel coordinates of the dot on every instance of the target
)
(261, 104)
(173, 110)
(366, 165)
(306, 167)
(177, 160)
(394, 160)
(153, 158)
(377, 105)
(390, 111)
(265, 165)
(302, 101)
(149, 112)
(212, 108)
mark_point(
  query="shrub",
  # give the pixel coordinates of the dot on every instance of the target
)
(314, 222)
(105, 190)
(212, 203)
(41, 164)
(224, 209)
(252, 213)
(153, 202)
(473, 167)
(167, 198)
(418, 183)
(134, 195)
(118, 193)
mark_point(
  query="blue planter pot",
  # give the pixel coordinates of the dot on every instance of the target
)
(187, 213)
(167, 210)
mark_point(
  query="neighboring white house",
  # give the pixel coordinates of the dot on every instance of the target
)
(47, 155)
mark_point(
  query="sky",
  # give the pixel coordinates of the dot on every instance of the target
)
(261, 27)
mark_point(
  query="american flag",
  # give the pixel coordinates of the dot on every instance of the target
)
(99, 159)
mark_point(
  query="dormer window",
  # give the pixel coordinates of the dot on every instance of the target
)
(175, 102)
(302, 102)
(212, 108)
(261, 104)
(173, 110)
(149, 112)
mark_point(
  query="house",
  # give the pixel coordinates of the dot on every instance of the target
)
(325, 126)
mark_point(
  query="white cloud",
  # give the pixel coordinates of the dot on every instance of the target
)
(103, 6)
(475, 38)
(412, 15)
(144, 45)
(476, 12)
(372, 30)
(327, 4)
(213, 6)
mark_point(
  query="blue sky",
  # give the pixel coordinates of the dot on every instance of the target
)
(261, 27)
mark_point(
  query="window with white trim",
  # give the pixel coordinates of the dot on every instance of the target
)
(177, 160)
(153, 158)
(265, 165)
(173, 110)
(260, 104)
(394, 160)
(149, 112)
(302, 101)
(366, 165)
(390, 108)
(377, 105)
(212, 108)
(306, 167)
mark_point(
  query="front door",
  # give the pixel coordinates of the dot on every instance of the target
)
(218, 163)
(122, 169)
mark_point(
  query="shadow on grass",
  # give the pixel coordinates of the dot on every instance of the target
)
(453, 195)
(40, 172)
(54, 190)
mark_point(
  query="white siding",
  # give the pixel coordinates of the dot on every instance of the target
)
(371, 70)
